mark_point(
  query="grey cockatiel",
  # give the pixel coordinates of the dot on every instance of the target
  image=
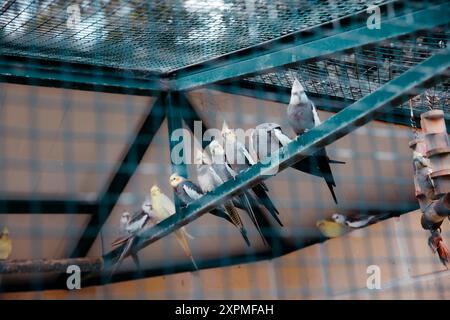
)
(129, 226)
(269, 137)
(239, 158)
(187, 191)
(221, 172)
(302, 116)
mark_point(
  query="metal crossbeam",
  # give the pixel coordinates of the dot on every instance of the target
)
(311, 47)
(78, 76)
(322, 102)
(174, 106)
(127, 168)
(47, 206)
(361, 112)
(190, 116)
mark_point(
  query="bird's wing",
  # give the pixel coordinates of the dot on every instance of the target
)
(360, 223)
(167, 204)
(137, 216)
(215, 176)
(230, 172)
(284, 139)
(192, 191)
(205, 180)
(247, 154)
(315, 114)
(251, 147)
(137, 224)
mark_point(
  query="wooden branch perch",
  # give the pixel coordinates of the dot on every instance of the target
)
(94, 264)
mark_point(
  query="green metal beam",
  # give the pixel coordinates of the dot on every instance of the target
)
(312, 47)
(361, 112)
(109, 197)
(78, 76)
(190, 116)
(47, 206)
(174, 106)
(327, 103)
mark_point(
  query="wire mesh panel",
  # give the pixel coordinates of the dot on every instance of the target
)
(116, 119)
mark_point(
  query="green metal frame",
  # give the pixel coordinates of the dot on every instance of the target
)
(307, 48)
(333, 104)
(78, 76)
(122, 176)
(175, 106)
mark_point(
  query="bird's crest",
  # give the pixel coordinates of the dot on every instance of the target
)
(227, 133)
(297, 87)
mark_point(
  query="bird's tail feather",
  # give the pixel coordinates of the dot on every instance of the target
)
(330, 186)
(191, 237)
(267, 202)
(324, 166)
(123, 254)
(245, 200)
(121, 240)
(444, 253)
(244, 235)
(336, 161)
(265, 227)
(235, 219)
(234, 215)
(306, 166)
(181, 238)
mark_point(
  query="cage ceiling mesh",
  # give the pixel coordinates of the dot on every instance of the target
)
(159, 36)
(353, 75)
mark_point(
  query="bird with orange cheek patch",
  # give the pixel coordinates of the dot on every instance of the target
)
(187, 191)
(436, 243)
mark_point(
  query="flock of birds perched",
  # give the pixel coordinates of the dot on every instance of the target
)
(222, 161)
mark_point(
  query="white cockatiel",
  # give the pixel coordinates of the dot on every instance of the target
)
(163, 208)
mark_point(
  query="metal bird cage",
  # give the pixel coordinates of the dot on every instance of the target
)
(92, 93)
